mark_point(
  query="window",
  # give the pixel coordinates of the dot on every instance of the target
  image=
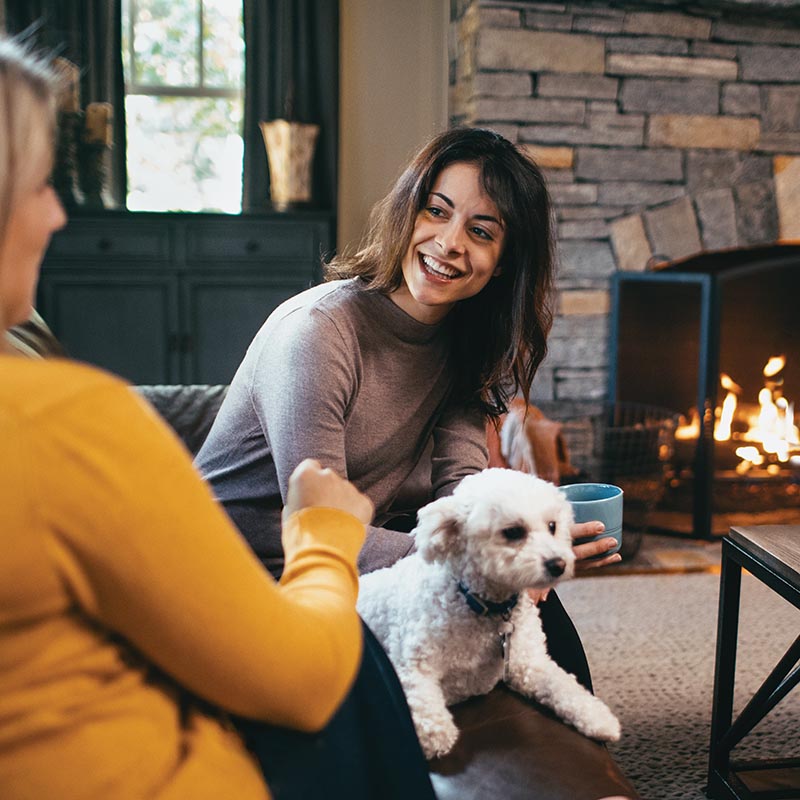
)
(184, 77)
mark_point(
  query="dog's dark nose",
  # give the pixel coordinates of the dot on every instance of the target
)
(555, 566)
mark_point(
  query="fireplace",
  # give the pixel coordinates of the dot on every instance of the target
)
(666, 130)
(716, 337)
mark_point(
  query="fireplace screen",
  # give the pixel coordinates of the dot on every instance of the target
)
(716, 338)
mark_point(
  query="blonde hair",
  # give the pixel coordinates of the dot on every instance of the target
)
(28, 92)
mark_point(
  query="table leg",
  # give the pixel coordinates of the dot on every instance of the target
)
(777, 685)
(724, 673)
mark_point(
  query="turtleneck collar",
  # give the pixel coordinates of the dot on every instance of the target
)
(400, 323)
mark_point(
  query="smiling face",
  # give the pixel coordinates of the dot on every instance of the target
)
(455, 247)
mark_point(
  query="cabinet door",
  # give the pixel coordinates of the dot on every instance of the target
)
(123, 322)
(271, 242)
(224, 313)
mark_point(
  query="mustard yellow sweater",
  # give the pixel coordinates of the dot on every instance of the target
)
(125, 591)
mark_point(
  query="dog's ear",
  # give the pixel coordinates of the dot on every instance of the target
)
(438, 527)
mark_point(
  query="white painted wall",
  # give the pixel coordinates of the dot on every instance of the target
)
(393, 97)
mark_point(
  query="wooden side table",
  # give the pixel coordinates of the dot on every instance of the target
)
(770, 553)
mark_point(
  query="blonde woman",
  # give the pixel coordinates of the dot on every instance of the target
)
(133, 617)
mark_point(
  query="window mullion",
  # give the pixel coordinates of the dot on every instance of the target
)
(200, 66)
(179, 91)
(133, 11)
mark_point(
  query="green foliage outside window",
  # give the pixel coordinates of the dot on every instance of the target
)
(184, 69)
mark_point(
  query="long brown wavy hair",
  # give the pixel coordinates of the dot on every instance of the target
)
(500, 334)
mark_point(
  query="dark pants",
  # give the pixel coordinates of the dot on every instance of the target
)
(563, 642)
(368, 750)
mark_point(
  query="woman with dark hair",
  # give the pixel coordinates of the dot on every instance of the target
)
(389, 370)
(501, 329)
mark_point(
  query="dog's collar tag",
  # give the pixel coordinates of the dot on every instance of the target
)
(505, 631)
(487, 608)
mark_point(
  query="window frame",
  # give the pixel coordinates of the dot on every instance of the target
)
(194, 90)
(199, 90)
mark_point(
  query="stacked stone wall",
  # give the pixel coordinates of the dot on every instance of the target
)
(663, 131)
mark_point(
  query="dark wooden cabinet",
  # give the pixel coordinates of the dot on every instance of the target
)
(175, 298)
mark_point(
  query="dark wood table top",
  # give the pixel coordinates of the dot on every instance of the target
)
(775, 546)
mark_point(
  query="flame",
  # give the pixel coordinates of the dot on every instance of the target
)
(690, 429)
(750, 457)
(773, 427)
(772, 438)
(774, 366)
(728, 383)
(722, 430)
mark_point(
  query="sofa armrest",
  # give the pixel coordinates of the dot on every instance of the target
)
(513, 748)
(189, 409)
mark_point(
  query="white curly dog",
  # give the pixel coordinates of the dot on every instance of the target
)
(455, 618)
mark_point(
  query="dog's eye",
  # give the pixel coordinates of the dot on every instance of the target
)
(515, 533)
(552, 527)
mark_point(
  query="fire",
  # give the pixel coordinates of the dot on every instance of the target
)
(767, 431)
(722, 430)
(774, 366)
(750, 457)
(691, 429)
(728, 383)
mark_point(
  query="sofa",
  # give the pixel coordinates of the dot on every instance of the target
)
(509, 747)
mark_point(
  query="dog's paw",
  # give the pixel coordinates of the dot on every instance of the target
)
(437, 737)
(600, 723)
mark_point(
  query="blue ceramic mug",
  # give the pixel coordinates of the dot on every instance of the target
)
(597, 501)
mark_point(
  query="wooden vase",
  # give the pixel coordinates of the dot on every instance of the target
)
(290, 154)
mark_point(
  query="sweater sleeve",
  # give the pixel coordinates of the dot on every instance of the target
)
(459, 448)
(303, 409)
(147, 552)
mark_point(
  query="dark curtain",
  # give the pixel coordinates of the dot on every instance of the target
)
(88, 33)
(291, 70)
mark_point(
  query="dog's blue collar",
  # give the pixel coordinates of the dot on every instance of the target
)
(487, 608)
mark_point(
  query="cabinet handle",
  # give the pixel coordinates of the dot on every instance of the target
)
(252, 246)
(104, 245)
(180, 342)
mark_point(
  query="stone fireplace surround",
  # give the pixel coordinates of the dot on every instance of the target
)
(664, 128)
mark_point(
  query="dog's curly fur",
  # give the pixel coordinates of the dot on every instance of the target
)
(499, 533)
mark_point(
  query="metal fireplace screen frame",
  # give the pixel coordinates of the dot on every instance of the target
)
(673, 330)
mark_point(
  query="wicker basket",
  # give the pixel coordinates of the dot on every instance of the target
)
(635, 444)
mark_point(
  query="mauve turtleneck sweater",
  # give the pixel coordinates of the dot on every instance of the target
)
(343, 375)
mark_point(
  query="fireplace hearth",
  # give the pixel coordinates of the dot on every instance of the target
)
(716, 338)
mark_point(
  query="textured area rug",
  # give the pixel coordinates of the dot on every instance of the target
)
(651, 645)
(659, 553)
